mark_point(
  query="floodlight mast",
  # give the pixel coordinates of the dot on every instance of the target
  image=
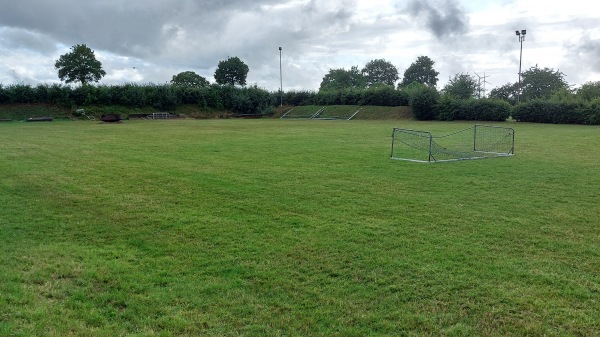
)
(280, 81)
(521, 36)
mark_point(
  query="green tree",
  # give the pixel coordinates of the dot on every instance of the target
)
(462, 86)
(507, 92)
(338, 79)
(563, 95)
(79, 65)
(380, 71)
(231, 71)
(538, 83)
(423, 103)
(421, 71)
(189, 79)
(589, 91)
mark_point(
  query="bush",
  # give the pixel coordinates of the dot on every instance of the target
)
(449, 109)
(250, 101)
(20, 93)
(538, 111)
(593, 115)
(163, 97)
(423, 103)
(294, 98)
(131, 95)
(489, 109)
(384, 95)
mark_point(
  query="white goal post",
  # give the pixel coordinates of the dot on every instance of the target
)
(476, 142)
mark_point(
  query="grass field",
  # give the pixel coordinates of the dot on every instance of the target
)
(300, 228)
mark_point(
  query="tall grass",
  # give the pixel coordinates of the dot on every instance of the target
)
(278, 227)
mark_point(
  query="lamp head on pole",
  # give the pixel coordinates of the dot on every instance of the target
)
(279, 48)
(523, 32)
(518, 33)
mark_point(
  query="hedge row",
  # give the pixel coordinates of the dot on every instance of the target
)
(427, 104)
(166, 97)
(378, 96)
(574, 112)
(473, 109)
(247, 100)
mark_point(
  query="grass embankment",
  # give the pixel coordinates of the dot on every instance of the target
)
(24, 111)
(284, 227)
(346, 111)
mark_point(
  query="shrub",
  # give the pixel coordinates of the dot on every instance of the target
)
(163, 97)
(423, 103)
(131, 95)
(538, 111)
(210, 97)
(20, 93)
(449, 109)
(489, 109)
(384, 95)
(251, 100)
(593, 112)
(295, 98)
(531, 111)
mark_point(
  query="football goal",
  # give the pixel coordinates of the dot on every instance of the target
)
(346, 112)
(476, 142)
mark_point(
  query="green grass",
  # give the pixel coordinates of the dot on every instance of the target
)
(286, 227)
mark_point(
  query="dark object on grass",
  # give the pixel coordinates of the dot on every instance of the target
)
(40, 119)
(111, 118)
(247, 116)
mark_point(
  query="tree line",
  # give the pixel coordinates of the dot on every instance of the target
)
(377, 83)
(80, 65)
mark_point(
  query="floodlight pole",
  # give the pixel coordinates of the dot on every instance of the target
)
(280, 81)
(521, 36)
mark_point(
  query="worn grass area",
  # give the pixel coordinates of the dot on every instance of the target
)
(279, 227)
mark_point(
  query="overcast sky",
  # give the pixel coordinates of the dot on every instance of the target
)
(145, 41)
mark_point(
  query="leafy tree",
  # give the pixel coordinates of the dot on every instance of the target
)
(231, 71)
(338, 79)
(189, 79)
(507, 92)
(421, 71)
(380, 71)
(589, 91)
(423, 103)
(563, 95)
(462, 86)
(411, 88)
(538, 83)
(79, 65)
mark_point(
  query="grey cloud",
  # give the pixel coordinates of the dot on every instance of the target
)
(443, 18)
(18, 38)
(589, 51)
(582, 60)
(163, 37)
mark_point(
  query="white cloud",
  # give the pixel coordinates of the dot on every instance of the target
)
(163, 37)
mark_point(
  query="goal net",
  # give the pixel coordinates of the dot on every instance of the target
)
(479, 141)
(346, 112)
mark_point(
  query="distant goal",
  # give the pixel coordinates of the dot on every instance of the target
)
(479, 141)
